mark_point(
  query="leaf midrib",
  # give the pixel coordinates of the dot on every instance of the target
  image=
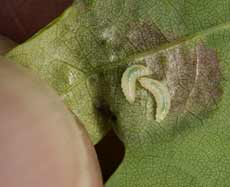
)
(154, 52)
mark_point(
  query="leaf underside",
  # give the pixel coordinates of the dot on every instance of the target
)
(84, 53)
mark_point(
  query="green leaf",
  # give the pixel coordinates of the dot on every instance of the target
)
(185, 44)
(58, 55)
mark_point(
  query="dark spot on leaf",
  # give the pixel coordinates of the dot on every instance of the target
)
(103, 109)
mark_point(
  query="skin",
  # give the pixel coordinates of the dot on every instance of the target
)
(41, 143)
(6, 44)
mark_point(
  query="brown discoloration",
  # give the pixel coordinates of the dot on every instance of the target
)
(193, 77)
(206, 90)
(192, 72)
(143, 36)
(180, 76)
(134, 37)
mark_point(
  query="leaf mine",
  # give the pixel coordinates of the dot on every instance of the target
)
(129, 79)
(161, 93)
(192, 76)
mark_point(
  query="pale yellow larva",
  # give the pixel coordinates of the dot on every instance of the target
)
(129, 80)
(157, 88)
(161, 93)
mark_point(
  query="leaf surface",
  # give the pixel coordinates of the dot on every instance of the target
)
(84, 54)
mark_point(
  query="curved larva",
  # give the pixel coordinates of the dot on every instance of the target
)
(161, 93)
(129, 78)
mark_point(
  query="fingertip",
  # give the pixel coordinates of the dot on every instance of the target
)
(6, 44)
